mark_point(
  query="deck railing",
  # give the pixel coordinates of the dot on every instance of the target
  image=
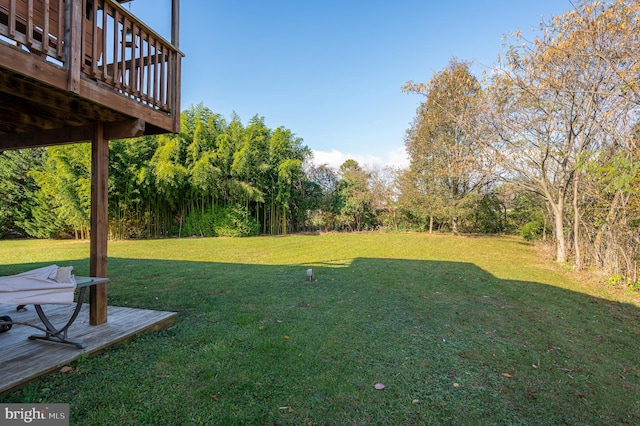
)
(99, 40)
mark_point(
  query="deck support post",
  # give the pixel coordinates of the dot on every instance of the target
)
(175, 72)
(99, 224)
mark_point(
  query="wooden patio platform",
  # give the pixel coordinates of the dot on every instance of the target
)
(24, 360)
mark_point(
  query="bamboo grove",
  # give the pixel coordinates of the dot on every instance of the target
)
(215, 178)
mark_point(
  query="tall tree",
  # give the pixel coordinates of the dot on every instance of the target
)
(356, 210)
(446, 159)
(554, 105)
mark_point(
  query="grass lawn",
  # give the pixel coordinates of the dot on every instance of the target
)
(460, 330)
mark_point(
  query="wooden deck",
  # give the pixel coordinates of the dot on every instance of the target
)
(68, 64)
(24, 360)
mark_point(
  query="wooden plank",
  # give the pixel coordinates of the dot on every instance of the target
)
(21, 62)
(125, 105)
(36, 96)
(99, 224)
(89, 91)
(24, 360)
(117, 130)
(46, 138)
(124, 129)
(34, 111)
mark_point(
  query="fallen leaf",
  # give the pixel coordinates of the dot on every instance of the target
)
(66, 369)
(506, 375)
(214, 397)
(456, 385)
(379, 386)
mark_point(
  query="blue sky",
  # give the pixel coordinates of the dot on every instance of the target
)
(331, 71)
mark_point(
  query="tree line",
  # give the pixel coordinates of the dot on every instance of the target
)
(215, 178)
(557, 118)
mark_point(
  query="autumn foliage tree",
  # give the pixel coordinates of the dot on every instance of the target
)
(448, 168)
(564, 105)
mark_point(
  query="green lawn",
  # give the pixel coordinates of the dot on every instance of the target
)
(460, 330)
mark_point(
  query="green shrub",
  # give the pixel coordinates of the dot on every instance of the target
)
(487, 216)
(228, 221)
(532, 231)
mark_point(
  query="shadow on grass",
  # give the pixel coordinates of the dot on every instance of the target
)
(258, 344)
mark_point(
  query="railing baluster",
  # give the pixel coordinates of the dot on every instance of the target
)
(109, 45)
(123, 45)
(103, 40)
(94, 40)
(141, 66)
(12, 18)
(83, 35)
(167, 104)
(45, 27)
(60, 33)
(132, 61)
(156, 66)
(114, 59)
(29, 33)
(162, 70)
(148, 68)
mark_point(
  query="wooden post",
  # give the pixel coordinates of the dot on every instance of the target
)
(99, 224)
(175, 23)
(73, 42)
(175, 72)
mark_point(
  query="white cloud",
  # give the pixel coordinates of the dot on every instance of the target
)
(334, 158)
(398, 158)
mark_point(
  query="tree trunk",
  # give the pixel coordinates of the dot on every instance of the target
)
(558, 231)
(284, 220)
(431, 224)
(576, 226)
